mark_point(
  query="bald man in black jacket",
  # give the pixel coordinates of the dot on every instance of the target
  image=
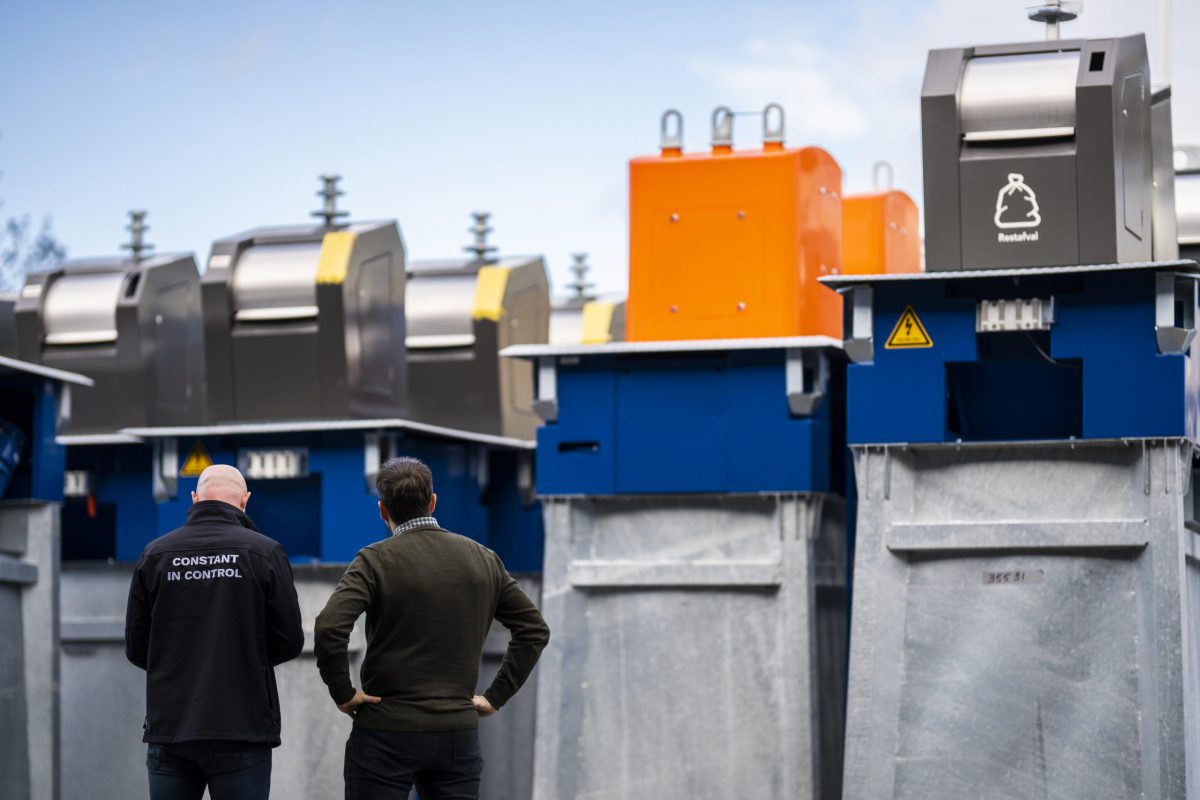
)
(212, 610)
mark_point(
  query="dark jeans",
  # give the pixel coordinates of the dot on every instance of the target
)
(230, 770)
(384, 765)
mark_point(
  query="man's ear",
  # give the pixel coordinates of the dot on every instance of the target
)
(195, 497)
(245, 500)
(383, 514)
(432, 504)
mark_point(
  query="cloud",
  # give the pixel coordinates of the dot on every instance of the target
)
(796, 74)
(855, 89)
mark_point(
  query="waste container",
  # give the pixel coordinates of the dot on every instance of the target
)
(694, 569)
(1025, 620)
(698, 647)
(1042, 154)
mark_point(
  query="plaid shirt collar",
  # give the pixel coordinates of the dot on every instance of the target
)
(413, 524)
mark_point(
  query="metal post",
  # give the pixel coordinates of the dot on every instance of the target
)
(479, 247)
(329, 193)
(580, 285)
(1052, 13)
(137, 227)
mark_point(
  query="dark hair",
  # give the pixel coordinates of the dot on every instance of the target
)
(405, 487)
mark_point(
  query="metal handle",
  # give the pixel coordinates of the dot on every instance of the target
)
(880, 167)
(668, 140)
(722, 127)
(772, 135)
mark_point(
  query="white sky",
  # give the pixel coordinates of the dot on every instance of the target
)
(218, 117)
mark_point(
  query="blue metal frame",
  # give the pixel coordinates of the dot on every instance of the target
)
(31, 404)
(676, 421)
(1096, 374)
(327, 516)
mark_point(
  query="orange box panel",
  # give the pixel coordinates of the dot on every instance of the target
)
(730, 244)
(880, 233)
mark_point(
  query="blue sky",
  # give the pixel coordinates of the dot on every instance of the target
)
(217, 117)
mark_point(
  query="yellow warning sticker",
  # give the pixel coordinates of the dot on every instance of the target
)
(908, 333)
(197, 461)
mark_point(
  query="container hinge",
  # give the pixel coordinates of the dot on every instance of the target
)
(545, 401)
(1032, 314)
(1174, 311)
(378, 447)
(526, 478)
(165, 476)
(483, 475)
(64, 407)
(807, 380)
(857, 323)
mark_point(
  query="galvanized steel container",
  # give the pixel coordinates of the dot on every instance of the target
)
(1024, 621)
(104, 701)
(697, 647)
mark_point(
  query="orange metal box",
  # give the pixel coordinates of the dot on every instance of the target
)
(728, 244)
(880, 234)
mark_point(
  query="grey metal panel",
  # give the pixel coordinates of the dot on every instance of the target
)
(138, 434)
(711, 669)
(14, 755)
(840, 281)
(458, 378)
(1012, 650)
(1001, 192)
(8, 325)
(1133, 126)
(13, 365)
(1187, 207)
(16, 571)
(29, 688)
(281, 344)
(278, 278)
(1163, 215)
(566, 324)
(82, 309)
(507, 738)
(133, 327)
(440, 308)
(104, 699)
(1032, 93)
(689, 346)
(175, 358)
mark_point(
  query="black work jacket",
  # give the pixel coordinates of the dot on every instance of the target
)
(212, 610)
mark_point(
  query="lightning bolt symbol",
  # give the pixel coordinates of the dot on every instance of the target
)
(908, 326)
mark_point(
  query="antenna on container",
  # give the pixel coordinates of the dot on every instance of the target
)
(580, 285)
(329, 193)
(480, 230)
(878, 173)
(1052, 12)
(137, 228)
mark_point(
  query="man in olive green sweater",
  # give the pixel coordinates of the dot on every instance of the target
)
(430, 597)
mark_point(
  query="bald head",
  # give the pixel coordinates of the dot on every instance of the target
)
(222, 482)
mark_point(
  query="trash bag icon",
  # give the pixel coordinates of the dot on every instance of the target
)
(1017, 205)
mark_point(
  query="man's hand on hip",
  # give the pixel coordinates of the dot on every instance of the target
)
(483, 706)
(350, 707)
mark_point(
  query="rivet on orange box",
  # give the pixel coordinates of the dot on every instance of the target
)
(729, 244)
(879, 230)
